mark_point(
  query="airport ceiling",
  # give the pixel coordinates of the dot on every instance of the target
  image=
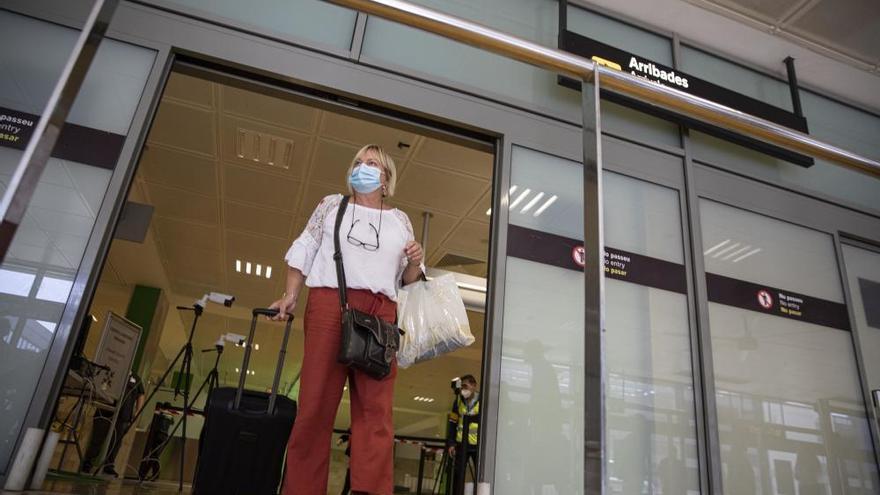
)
(848, 27)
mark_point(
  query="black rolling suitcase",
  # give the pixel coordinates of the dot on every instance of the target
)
(241, 449)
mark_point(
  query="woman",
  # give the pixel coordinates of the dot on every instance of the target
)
(380, 254)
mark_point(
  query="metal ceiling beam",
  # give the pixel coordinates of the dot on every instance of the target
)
(571, 65)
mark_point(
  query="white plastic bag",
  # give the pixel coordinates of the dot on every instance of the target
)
(433, 316)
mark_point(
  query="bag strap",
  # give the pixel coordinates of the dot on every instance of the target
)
(337, 254)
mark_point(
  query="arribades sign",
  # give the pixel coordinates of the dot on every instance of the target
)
(650, 70)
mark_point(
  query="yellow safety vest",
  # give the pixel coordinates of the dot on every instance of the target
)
(462, 410)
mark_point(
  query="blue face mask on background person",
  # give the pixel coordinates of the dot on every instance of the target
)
(365, 179)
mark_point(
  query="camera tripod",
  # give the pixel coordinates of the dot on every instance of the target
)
(211, 381)
(452, 472)
(455, 468)
(181, 388)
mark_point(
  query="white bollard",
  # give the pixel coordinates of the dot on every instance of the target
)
(44, 460)
(24, 459)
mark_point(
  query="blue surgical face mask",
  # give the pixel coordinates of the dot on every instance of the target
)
(365, 179)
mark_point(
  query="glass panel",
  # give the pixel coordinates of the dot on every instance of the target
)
(434, 57)
(842, 125)
(311, 20)
(758, 249)
(828, 120)
(26, 83)
(650, 397)
(625, 122)
(47, 250)
(863, 274)
(621, 35)
(736, 77)
(824, 177)
(790, 411)
(651, 417)
(542, 364)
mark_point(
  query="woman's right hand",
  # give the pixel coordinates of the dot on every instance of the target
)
(285, 306)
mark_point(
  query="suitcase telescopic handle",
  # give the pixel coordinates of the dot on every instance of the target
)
(247, 357)
(268, 312)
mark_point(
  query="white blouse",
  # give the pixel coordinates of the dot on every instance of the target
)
(380, 271)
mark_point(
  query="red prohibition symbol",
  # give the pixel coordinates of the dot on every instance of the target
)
(579, 255)
(765, 299)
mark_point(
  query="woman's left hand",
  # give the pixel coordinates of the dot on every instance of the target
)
(414, 253)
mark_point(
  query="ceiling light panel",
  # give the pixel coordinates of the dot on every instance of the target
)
(539, 202)
(263, 148)
(532, 202)
(255, 269)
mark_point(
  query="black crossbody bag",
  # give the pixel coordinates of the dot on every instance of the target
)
(369, 343)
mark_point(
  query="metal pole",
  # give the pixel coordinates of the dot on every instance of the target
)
(594, 293)
(186, 373)
(793, 87)
(619, 82)
(33, 161)
(426, 220)
(421, 470)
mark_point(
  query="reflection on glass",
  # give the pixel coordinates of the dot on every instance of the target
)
(650, 416)
(45, 254)
(541, 410)
(54, 289)
(312, 20)
(790, 411)
(649, 396)
(863, 272)
(16, 283)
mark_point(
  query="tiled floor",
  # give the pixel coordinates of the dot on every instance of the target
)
(106, 488)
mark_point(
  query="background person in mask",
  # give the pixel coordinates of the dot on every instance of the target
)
(467, 403)
(380, 255)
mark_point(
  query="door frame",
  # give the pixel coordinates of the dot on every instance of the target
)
(176, 37)
(873, 410)
(46, 392)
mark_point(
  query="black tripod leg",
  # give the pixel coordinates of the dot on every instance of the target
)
(421, 470)
(185, 379)
(461, 465)
(155, 390)
(186, 367)
(472, 464)
(441, 472)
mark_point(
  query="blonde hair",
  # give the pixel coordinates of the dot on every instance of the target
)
(384, 159)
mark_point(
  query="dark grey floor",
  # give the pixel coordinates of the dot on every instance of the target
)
(105, 488)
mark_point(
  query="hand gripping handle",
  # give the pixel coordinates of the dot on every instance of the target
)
(268, 312)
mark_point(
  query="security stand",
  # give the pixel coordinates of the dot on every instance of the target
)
(211, 381)
(72, 436)
(462, 457)
(186, 352)
(444, 472)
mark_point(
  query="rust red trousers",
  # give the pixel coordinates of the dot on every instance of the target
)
(321, 387)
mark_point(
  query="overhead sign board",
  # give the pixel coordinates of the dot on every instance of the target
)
(621, 60)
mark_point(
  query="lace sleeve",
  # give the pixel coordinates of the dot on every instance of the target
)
(410, 236)
(302, 252)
